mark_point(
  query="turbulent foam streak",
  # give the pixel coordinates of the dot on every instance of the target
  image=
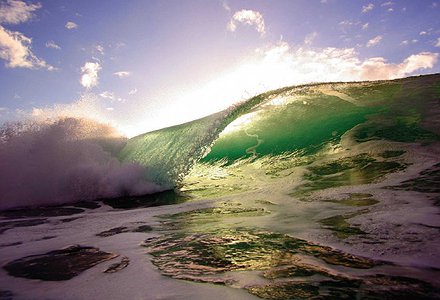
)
(64, 161)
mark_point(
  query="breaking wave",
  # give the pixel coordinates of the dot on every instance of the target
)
(74, 159)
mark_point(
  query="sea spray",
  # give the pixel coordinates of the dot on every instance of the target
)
(63, 161)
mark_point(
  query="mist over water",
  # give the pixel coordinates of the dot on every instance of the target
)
(63, 161)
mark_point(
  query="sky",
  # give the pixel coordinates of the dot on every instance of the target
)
(142, 65)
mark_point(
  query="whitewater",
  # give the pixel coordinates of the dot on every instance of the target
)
(318, 191)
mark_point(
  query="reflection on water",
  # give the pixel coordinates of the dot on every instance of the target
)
(359, 169)
(287, 267)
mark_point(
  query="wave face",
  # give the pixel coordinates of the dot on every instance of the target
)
(301, 121)
(64, 161)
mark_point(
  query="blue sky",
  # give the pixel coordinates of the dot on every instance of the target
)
(142, 65)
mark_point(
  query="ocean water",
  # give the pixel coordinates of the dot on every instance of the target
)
(320, 191)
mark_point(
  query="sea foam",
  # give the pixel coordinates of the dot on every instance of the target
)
(63, 161)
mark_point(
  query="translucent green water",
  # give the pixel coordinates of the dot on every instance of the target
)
(299, 125)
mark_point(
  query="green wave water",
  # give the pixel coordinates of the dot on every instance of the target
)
(305, 120)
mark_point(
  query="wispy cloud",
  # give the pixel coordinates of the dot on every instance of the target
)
(89, 74)
(133, 91)
(374, 41)
(71, 25)
(407, 42)
(365, 26)
(367, 8)
(15, 49)
(438, 42)
(53, 45)
(107, 95)
(247, 17)
(16, 11)
(226, 6)
(308, 40)
(99, 49)
(388, 3)
(122, 74)
(346, 23)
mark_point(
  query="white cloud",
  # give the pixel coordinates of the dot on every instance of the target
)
(71, 25)
(16, 11)
(3, 109)
(15, 48)
(133, 91)
(122, 74)
(378, 68)
(53, 45)
(407, 42)
(365, 26)
(438, 42)
(99, 49)
(348, 23)
(367, 8)
(107, 95)
(248, 17)
(89, 76)
(388, 3)
(308, 40)
(423, 33)
(374, 41)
